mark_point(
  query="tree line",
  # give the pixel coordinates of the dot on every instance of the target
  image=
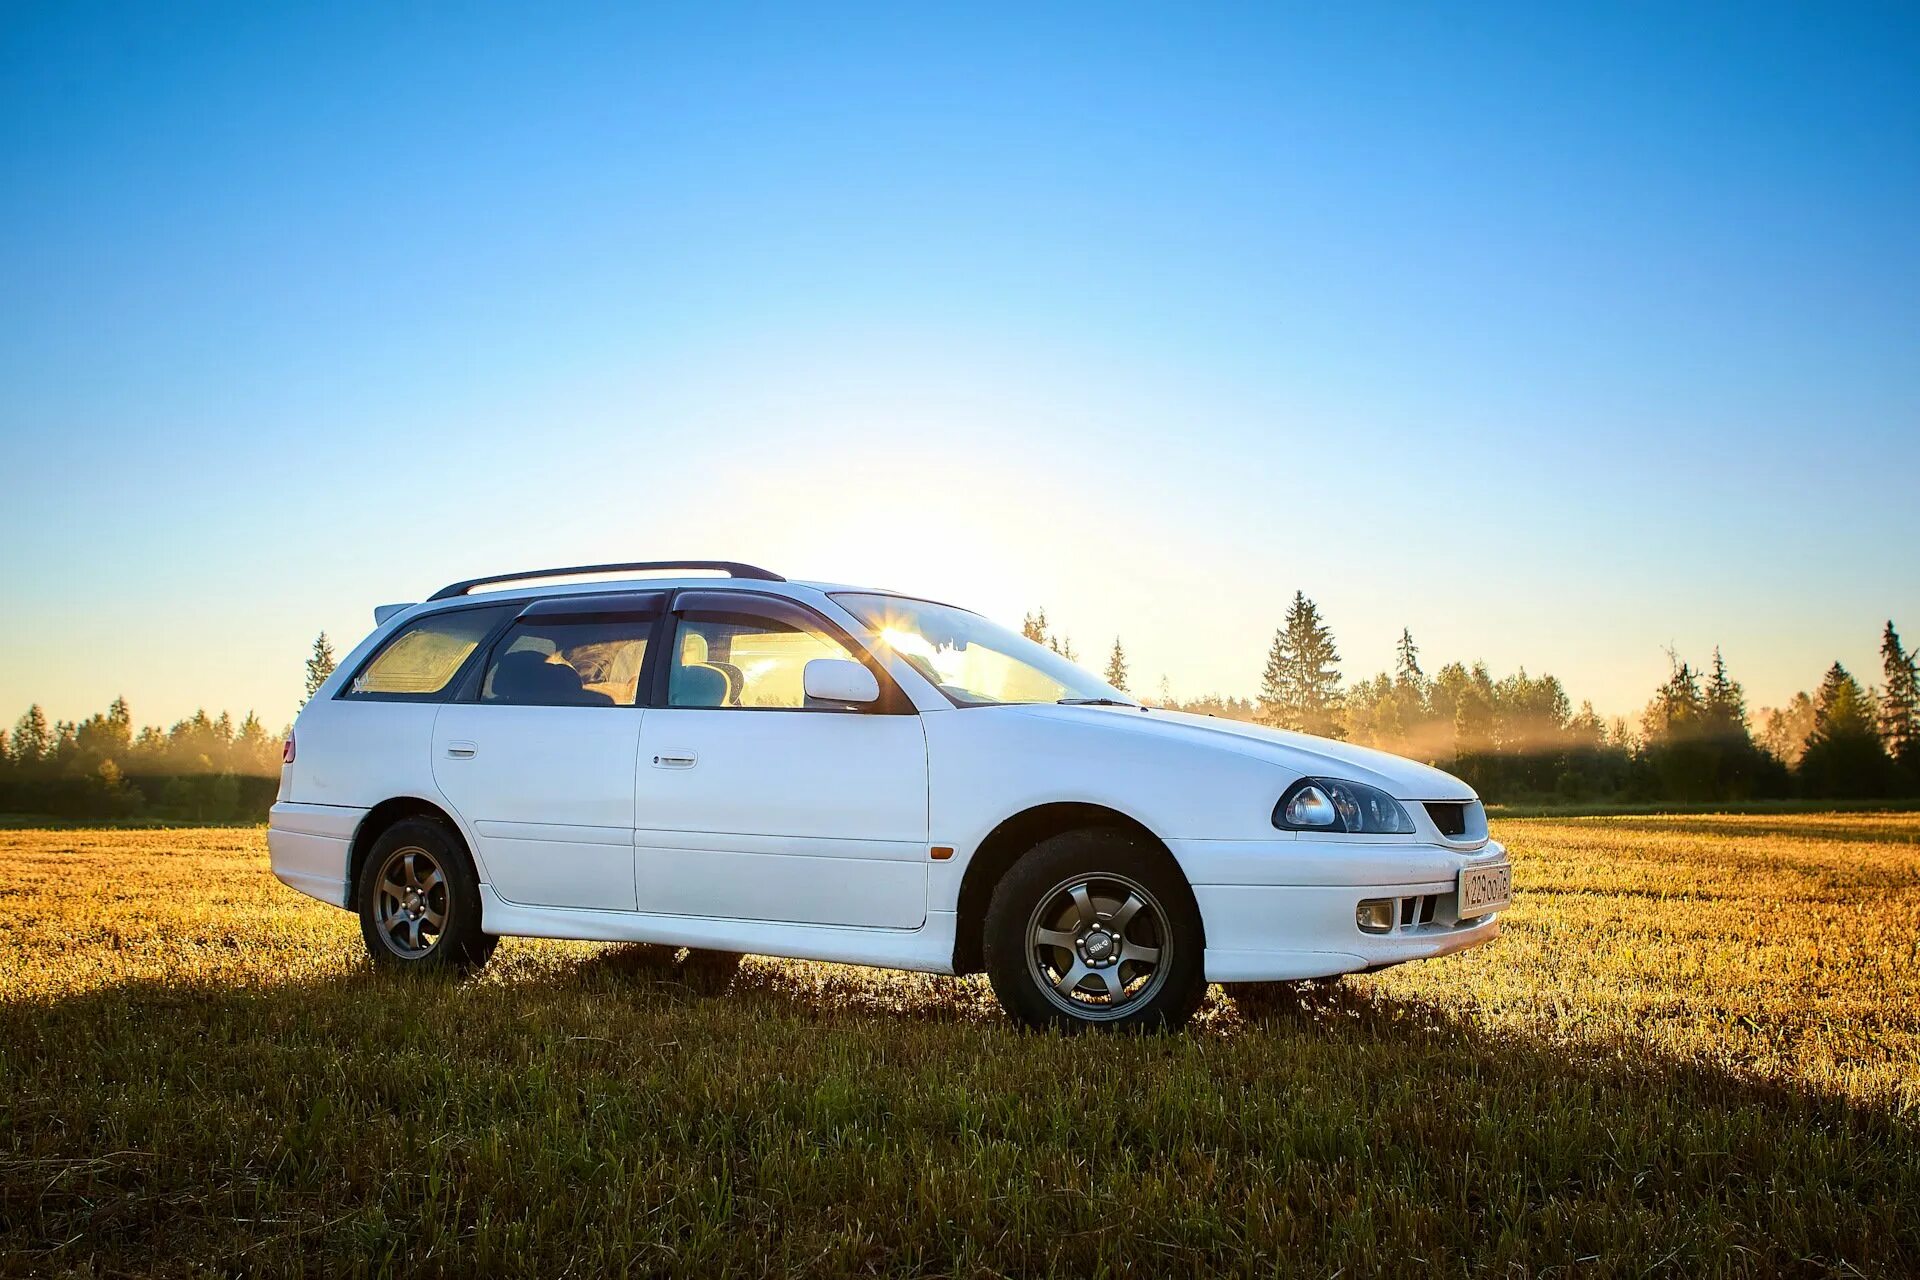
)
(203, 769)
(1518, 738)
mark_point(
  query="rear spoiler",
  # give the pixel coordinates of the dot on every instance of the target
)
(381, 612)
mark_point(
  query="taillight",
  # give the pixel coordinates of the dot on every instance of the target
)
(286, 749)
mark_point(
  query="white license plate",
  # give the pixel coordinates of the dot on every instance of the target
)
(1485, 889)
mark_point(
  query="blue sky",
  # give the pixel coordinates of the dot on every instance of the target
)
(1558, 336)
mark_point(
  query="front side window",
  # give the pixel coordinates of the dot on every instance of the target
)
(572, 662)
(422, 659)
(973, 661)
(745, 660)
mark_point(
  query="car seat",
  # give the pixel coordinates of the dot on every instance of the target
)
(696, 682)
(530, 679)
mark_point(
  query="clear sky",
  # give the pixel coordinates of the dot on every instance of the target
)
(1558, 336)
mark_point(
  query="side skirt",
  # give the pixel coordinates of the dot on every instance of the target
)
(928, 949)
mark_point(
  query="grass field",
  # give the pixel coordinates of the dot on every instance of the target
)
(1696, 1050)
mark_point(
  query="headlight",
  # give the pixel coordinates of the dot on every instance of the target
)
(1328, 804)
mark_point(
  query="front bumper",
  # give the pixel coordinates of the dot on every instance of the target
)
(1283, 909)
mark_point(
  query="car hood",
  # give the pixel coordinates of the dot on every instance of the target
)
(1299, 753)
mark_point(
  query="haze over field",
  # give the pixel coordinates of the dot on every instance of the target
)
(1557, 338)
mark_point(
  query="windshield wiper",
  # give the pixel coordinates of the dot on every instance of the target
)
(1095, 702)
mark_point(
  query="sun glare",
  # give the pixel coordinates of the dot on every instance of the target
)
(903, 641)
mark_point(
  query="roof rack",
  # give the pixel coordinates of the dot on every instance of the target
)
(732, 568)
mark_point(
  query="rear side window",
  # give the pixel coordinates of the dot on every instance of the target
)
(568, 662)
(422, 658)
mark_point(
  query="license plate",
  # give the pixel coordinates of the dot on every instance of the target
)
(1485, 889)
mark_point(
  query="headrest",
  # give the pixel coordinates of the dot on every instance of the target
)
(529, 678)
(700, 686)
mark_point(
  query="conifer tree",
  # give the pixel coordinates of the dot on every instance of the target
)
(1844, 755)
(319, 667)
(1724, 705)
(1300, 688)
(1034, 627)
(255, 752)
(32, 740)
(1117, 667)
(1412, 709)
(1900, 704)
(1677, 706)
(1842, 708)
(1406, 660)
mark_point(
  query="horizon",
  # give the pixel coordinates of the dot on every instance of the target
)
(1148, 689)
(1559, 339)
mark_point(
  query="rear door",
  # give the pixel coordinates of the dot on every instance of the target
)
(368, 743)
(753, 804)
(538, 755)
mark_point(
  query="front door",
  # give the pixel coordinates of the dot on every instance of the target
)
(540, 762)
(754, 805)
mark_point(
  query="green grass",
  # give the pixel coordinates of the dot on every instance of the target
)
(1696, 1050)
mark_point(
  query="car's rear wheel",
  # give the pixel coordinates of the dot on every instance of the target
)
(419, 901)
(1096, 929)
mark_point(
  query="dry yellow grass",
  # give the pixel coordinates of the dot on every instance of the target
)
(1696, 1049)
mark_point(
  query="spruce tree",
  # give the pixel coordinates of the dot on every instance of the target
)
(319, 667)
(1677, 707)
(1034, 627)
(1273, 681)
(1406, 660)
(1300, 688)
(1411, 707)
(1724, 706)
(32, 740)
(1900, 704)
(1842, 708)
(1845, 757)
(120, 722)
(1117, 667)
(256, 752)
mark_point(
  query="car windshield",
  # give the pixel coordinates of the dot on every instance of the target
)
(974, 662)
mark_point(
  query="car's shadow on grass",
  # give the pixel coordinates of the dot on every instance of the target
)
(606, 1104)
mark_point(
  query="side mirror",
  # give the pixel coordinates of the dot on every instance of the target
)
(840, 681)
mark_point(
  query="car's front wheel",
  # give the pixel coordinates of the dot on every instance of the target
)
(419, 901)
(1096, 928)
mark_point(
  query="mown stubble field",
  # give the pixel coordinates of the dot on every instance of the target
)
(1696, 1050)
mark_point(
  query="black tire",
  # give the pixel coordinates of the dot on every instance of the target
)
(1036, 900)
(401, 937)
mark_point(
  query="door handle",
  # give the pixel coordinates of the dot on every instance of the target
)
(676, 760)
(462, 750)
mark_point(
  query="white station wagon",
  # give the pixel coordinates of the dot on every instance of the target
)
(741, 763)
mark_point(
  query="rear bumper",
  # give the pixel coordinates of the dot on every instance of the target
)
(1284, 909)
(310, 846)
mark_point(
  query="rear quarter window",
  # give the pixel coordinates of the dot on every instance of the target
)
(422, 658)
